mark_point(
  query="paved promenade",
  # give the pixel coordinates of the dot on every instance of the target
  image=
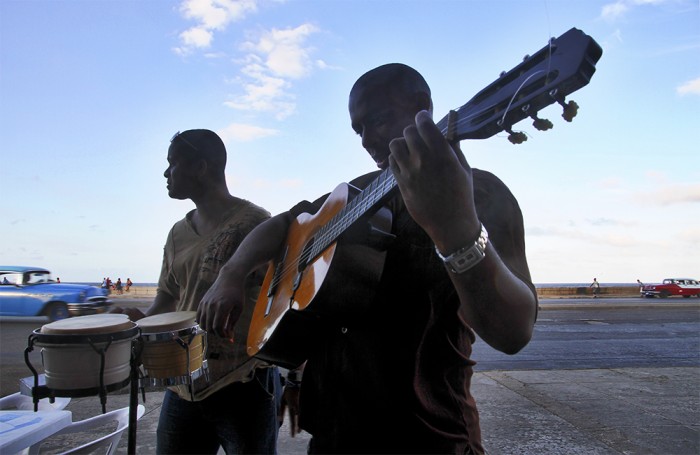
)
(591, 411)
(603, 411)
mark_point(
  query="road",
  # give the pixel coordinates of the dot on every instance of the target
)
(619, 337)
(616, 332)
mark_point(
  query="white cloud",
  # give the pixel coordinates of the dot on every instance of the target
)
(672, 194)
(274, 59)
(217, 14)
(612, 11)
(196, 37)
(243, 133)
(588, 236)
(689, 88)
(616, 10)
(210, 16)
(691, 236)
(611, 183)
(610, 222)
(283, 51)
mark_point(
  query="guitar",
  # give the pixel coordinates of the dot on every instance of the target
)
(323, 249)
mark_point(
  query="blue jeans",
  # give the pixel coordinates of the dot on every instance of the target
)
(241, 418)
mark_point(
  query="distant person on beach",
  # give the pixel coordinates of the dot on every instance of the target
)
(596, 288)
(118, 286)
(237, 408)
(129, 283)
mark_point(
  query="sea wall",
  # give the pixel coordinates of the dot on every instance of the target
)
(580, 291)
(543, 292)
(141, 291)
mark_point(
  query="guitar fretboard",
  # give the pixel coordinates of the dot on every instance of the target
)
(364, 203)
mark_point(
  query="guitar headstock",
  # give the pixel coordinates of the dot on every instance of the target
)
(561, 67)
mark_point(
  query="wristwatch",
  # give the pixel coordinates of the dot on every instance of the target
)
(465, 258)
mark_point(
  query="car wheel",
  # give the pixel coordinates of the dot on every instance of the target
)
(664, 294)
(56, 311)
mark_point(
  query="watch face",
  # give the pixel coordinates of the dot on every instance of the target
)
(467, 260)
(467, 257)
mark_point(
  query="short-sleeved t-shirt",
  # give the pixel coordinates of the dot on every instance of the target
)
(191, 264)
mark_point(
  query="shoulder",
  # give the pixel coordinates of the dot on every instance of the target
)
(490, 193)
(486, 181)
(253, 209)
(245, 215)
(181, 225)
(497, 207)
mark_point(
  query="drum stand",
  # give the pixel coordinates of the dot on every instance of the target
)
(133, 404)
(39, 389)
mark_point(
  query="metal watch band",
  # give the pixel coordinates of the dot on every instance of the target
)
(465, 258)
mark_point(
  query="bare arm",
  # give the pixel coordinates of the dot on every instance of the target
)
(497, 304)
(222, 305)
(163, 303)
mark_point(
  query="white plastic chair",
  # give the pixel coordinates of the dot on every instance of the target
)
(110, 440)
(26, 403)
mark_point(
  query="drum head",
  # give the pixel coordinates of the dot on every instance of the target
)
(167, 322)
(88, 325)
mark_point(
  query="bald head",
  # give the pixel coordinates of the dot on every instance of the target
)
(401, 81)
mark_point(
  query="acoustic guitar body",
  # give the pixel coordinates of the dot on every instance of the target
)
(296, 292)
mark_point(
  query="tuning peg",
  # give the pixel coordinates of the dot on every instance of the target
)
(516, 137)
(570, 110)
(542, 124)
(513, 137)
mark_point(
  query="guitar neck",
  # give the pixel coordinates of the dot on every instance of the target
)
(365, 203)
(563, 66)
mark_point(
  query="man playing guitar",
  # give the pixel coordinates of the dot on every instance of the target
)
(396, 376)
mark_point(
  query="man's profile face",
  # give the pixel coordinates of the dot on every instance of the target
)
(180, 173)
(378, 117)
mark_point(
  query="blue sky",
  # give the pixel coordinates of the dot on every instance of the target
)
(92, 91)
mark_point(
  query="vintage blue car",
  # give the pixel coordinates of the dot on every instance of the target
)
(30, 291)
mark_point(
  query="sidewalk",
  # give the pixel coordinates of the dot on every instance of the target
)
(602, 411)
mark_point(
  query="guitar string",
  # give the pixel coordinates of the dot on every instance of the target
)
(381, 189)
(549, 67)
(384, 181)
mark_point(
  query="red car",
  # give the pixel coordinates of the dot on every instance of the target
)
(672, 286)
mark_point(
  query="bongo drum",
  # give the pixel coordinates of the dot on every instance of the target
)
(85, 355)
(173, 348)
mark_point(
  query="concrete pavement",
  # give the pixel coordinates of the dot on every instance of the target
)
(600, 411)
(591, 411)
